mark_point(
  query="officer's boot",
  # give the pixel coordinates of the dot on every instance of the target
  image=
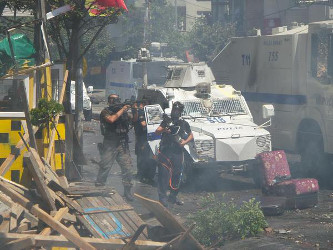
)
(127, 193)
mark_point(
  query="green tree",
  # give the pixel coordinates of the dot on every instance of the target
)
(204, 40)
(69, 38)
(161, 28)
(207, 40)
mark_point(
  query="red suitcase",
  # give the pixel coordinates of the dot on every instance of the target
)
(300, 193)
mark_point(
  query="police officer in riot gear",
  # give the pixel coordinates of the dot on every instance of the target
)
(176, 133)
(115, 122)
(146, 166)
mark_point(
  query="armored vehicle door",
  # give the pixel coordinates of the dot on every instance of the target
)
(154, 117)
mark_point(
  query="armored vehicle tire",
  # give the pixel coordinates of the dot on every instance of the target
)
(310, 144)
(87, 115)
(314, 161)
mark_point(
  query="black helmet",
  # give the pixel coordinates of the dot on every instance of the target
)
(178, 105)
(177, 110)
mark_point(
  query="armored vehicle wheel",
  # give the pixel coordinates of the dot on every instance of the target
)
(314, 161)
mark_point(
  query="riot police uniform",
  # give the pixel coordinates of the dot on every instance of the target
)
(145, 164)
(115, 147)
(171, 155)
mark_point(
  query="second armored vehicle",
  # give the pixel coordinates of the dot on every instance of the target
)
(222, 124)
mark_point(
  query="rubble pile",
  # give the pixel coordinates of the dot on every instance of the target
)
(53, 213)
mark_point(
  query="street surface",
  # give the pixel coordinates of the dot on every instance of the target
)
(298, 229)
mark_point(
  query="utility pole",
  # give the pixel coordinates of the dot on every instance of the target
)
(176, 16)
(145, 40)
(77, 70)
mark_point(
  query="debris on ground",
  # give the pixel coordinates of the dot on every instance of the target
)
(53, 213)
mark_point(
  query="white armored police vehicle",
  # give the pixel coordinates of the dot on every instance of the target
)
(221, 122)
(292, 70)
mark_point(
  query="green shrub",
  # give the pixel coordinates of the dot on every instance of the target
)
(220, 221)
(45, 112)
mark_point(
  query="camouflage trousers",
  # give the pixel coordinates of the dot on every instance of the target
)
(115, 151)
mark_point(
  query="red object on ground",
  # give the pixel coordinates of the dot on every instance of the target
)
(274, 164)
(112, 3)
(276, 180)
(296, 187)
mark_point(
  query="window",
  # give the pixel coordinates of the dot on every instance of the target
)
(10, 100)
(137, 71)
(321, 60)
(55, 75)
(176, 74)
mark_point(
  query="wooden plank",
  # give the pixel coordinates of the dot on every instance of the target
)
(89, 227)
(49, 171)
(73, 230)
(23, 94)
(63, 181)
(16, 211)
(115, 208)
(31, 231)
(55, 186)
(5, 166)
(8, 202)
(118, 226)
(42, 215)
(67, 217)
(130, 245)
(89, 191)
(23, 188)
(166, 219)
(102, 223)
(35, 169)
(72, 204)
(122, 217)
(4, 226)
(30, 217)
(25, 225)
(56, 120)
(24, 243)
(176, 243)
(126, 215)
(61, 241)
(58, 216)
(131, 216)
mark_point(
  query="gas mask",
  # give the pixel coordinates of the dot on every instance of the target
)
(176, 112)
(114, 100)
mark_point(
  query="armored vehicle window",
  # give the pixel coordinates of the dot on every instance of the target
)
(320, 56)
(176, 74)
(10, 100)
(137, 71)
(154, 115)
(229, 106)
